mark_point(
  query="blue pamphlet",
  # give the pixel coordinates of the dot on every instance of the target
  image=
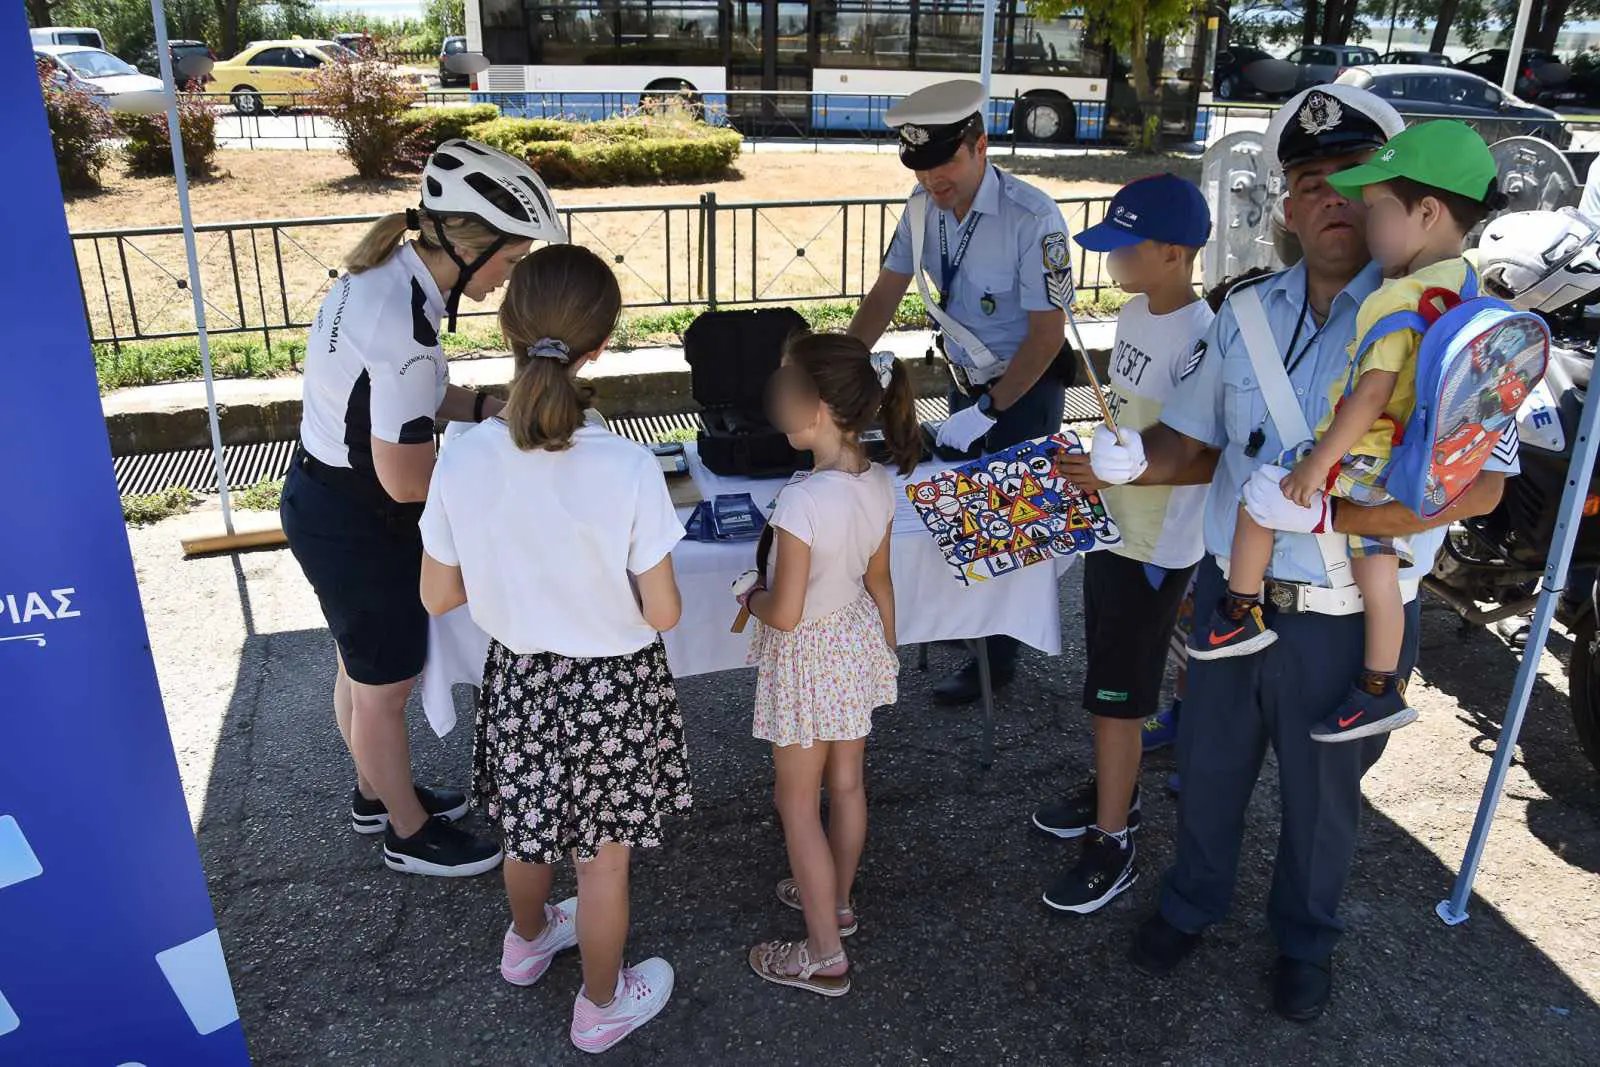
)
(729, 517)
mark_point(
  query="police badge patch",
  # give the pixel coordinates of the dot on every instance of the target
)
(1192, 364)
(1057, 269)
(915, 136)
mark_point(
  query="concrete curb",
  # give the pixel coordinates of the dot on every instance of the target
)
(644, 382)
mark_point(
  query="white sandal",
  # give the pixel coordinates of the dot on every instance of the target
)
(769, 960)
(789, 893)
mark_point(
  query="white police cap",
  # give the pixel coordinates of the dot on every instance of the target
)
(1330, 120)
(933, 120)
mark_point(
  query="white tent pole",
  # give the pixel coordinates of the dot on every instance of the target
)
(986, 57)
(1579, 471)
(1519, 36)
(181, 172)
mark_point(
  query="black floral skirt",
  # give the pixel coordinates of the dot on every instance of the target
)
(569, 754)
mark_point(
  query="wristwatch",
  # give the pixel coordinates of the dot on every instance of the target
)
(985, 405)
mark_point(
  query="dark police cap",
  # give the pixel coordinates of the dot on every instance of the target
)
(1331, 120)
(931, 122)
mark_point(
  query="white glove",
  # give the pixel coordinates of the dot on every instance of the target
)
(1113, 463)
(1264, 500)
(964, 427)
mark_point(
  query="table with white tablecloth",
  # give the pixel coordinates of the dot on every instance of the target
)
(931, 604)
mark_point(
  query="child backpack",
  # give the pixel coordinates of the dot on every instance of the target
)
(1478, 359)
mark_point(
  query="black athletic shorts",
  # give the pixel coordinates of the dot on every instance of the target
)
(1127, 625)
(363, 557)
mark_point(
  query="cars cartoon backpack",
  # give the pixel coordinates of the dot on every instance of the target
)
(1479, 358)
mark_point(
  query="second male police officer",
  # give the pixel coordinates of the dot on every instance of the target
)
(1227, 411)
(996, 248)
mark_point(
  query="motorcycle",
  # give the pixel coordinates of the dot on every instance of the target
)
(1491, 564)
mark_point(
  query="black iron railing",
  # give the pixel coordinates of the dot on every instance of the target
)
(269, 276)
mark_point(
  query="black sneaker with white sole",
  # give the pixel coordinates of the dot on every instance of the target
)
(1073, 816)
(371, 817)
(1104, 872)
(441, 850)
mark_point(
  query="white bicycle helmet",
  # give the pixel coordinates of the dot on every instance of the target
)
(1541, 260)
(469, 179)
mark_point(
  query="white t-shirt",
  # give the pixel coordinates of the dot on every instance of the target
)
(1160, 524)
(547, 541)
(843, 518)
(374, 367)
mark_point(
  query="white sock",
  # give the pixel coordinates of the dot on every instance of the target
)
(1120, 837)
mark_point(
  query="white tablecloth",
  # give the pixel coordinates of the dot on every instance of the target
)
(930, 603)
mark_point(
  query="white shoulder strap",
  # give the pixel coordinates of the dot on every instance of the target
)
(1285, 410)
(976, 350)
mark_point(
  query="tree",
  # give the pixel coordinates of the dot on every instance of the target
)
(1129, 26)
(449, 17)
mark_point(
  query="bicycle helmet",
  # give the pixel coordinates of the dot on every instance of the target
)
(471, 180)
(1541, 260)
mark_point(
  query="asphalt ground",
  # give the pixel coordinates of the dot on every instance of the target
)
(336, 959)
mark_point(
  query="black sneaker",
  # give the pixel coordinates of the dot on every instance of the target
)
(1158, 946)
(439, 849)
(1364, 715)
(371, 817)
(1104, 871)
(1073, 816)
(1225, 637)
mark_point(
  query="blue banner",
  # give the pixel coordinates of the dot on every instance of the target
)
(109, 952)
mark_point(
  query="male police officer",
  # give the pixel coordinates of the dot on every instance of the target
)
(1300, 323)
(997, 250)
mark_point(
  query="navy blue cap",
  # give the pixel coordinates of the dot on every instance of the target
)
(1162, 207)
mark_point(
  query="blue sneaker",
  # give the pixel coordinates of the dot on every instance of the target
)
(1160, 730)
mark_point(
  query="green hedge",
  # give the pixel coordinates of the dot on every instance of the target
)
(433, 125)
(616, 151)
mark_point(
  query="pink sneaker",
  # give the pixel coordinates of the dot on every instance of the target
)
(642, 991)
(524, 962)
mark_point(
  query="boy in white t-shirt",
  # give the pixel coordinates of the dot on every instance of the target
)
(1152, 233)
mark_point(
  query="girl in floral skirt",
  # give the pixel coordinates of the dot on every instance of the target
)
(824, 643)
(557, 534)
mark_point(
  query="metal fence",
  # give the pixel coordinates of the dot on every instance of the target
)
(269, 276)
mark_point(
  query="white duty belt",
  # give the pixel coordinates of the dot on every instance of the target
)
(1340, 596)
(985, 366)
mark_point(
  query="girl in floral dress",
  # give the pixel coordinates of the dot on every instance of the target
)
(824, 640)
(558, 536)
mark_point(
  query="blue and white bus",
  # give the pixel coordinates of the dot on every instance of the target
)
(815, 66)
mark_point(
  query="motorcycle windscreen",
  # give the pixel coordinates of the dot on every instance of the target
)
(1484, 383)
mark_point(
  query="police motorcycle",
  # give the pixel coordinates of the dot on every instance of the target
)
(1547, 262)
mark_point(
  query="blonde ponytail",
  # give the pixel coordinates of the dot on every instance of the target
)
(378, 244)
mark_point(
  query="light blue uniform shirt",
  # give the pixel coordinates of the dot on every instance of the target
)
(1016, 262)
(1220, 404)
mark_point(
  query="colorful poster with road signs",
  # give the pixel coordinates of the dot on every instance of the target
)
(1009, 510)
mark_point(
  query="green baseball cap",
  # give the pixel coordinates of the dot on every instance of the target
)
(1444, 154)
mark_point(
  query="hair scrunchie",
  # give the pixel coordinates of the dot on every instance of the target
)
(883, 367)
(413, 219)
(550, 348)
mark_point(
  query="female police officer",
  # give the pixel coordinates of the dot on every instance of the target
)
(375, 380)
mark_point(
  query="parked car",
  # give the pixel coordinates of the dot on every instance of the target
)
(1454, 93)
(1322, 63)
(180, 51)
(1416, 59)
(452, 46)
(98, 73)
(1539, 71)
(79, 36)
(270, 73)
(361, 44)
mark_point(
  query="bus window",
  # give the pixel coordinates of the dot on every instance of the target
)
(575, 33)
(864, 33)
(1054, 46)
(507, 35)
(950, 36)
(670, 32)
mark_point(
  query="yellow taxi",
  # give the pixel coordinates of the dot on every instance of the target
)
(275, 73)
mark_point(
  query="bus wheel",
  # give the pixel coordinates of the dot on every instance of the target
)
(1044, 120)
(660, 94)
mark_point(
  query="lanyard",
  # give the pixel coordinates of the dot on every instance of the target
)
(950, 265)
(1291, 363)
